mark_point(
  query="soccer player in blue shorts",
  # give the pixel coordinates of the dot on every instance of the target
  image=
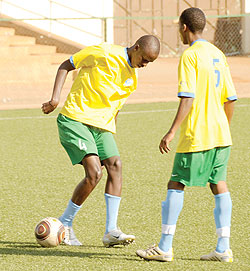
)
(207, 96)
(86, 123)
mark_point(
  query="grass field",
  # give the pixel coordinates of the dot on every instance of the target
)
(37, 180)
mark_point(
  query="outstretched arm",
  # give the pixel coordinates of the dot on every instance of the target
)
(61, 75)
(183, 109)
(229, 109)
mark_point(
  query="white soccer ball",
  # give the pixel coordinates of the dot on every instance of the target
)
(49, 232)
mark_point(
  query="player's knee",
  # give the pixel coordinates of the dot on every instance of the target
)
(115, 165)
(94, 177)
(219, 188)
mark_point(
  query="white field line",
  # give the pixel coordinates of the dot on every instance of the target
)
(121, 113)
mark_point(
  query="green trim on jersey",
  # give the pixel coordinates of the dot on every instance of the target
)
(79, 139)
(199, 168)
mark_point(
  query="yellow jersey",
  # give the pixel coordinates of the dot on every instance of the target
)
(103, 84)
(204, 75)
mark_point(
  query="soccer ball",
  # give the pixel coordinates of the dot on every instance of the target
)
(49, 232)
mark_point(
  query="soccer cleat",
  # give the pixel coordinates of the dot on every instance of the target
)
(154, 253)
(117, 237)
(70, 238)
(226, 256)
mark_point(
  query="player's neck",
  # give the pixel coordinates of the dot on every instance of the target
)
(129, 50)
(193, 37)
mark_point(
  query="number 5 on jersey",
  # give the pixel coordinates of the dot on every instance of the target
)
(217, 72)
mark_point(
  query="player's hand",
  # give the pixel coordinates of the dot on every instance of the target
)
(164, 144)
(48, 107)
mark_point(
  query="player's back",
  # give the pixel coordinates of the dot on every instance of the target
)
(211, 69)
(204, 75)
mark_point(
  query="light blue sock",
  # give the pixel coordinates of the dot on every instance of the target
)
(69, 214)
(112, 208)
(222, 244)
(222, 216)
(171, 209)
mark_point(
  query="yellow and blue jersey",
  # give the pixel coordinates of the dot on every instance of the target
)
(103, 84)
(203, 74)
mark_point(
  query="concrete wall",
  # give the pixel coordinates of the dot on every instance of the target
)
(83, 31)
(127, 31)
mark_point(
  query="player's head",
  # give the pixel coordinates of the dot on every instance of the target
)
(192, 19)
(146, 49)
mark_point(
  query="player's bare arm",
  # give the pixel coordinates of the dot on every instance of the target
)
(61, 75)
(229, 109)
(116, 116)
(183, 109)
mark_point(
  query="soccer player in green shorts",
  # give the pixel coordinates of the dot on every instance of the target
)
(207, 96)
(86, 124)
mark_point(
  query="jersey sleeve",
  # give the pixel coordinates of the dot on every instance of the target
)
(186, 77)
(87, 57)
(229, 89)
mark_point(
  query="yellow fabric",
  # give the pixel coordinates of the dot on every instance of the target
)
(104, 82)
(204, 74)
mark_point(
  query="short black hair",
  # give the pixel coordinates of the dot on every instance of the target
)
(194, 19)
(149, 42)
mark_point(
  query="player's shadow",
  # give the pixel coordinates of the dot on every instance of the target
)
(20, 244)
(33, 249)
(36, 245)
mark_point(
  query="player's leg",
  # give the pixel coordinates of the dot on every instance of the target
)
(110, 158)
(93, 174)
(190, 169)
(171, 209)
(222, 215)
(113, 235)
(223, 208)
(113, 189)
(113, 166)
(79, 143)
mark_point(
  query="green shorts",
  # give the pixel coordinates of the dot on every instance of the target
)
(79, 139)
(198, 168)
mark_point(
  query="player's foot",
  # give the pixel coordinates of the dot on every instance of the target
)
(226, 256)
(117, 237)
(154, 253)
(70, 238)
